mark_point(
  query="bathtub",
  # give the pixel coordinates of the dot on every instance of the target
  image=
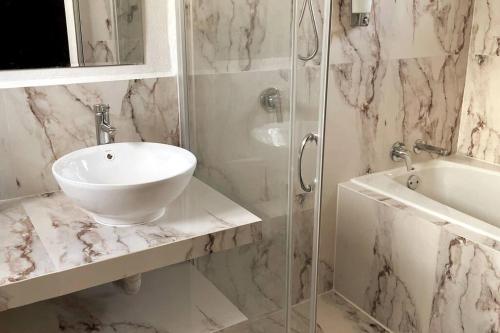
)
(457, 190)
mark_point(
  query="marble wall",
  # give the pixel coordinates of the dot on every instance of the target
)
(399, 79)
(480, 120)
(40, 124)
(111, 32)
(411, 271)
(236, 50)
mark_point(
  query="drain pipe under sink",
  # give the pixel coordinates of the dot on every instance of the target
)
(130, 285)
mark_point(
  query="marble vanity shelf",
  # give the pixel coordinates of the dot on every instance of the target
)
(49, 247)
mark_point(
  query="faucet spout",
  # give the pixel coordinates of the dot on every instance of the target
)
(105, 133)
(406, 157)
(400, 153)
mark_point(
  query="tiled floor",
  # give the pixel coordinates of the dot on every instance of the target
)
(335, 315)
(176, 299)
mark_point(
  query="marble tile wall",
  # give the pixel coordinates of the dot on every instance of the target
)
(480, 120)
(380, 93)
(40, 124)
(237, 50)
(227, 42)
(112, 32)
(99, 32)
(413, 272)
(399, 79)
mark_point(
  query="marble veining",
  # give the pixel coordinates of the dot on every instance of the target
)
(401, 78)
(467, 293)
(412, 272)
(233, 35)
(486, 29)
(479, 125)
(199, 308)
(40, 124)
(335, 315)
(23, 255)
(49, 234)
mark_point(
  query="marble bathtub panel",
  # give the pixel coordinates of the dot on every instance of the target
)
(472, 236)
(384, 257)
(40, 124)
(486, 28)
(467, 291)
(480, 121)
(400, 30)
(198, 307)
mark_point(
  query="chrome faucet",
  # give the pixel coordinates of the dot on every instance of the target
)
(105, 133)
(270, 100)
(421, 145)
(400, 153)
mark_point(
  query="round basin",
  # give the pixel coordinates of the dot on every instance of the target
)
(124, 184)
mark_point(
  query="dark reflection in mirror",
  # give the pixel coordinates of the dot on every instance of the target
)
(70, 33)
(34, 34)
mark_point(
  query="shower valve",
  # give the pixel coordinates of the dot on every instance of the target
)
(360, 10)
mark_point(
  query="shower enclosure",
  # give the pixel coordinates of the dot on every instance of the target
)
(254, 81)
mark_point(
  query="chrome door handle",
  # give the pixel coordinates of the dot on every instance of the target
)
(308, 138)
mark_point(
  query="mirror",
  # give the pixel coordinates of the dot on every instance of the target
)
(70, 33)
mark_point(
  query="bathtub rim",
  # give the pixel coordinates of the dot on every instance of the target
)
(385, 183)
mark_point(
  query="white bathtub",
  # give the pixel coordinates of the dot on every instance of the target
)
(458, 190)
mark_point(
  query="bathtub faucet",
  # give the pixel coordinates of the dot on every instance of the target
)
(400, 153)
(421, 146)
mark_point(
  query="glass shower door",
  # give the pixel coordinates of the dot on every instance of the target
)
(310, 274)
(238, 78)
(253, 81)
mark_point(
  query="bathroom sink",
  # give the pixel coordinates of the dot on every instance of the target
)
(123, 184)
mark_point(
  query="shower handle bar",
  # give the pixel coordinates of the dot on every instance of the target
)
(308, 138)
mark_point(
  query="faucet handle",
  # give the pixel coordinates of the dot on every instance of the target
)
(397, 149)
(101, 108)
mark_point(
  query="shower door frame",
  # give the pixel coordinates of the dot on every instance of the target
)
(293, 168)
(183, 100)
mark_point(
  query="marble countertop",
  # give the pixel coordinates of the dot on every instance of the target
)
(49, 247)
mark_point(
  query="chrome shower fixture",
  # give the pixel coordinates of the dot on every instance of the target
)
(314, 23)
(270, 101)
(360, 12)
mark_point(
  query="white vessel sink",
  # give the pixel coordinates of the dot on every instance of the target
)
(125, 183)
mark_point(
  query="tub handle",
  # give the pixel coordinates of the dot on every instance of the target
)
(308, 138)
